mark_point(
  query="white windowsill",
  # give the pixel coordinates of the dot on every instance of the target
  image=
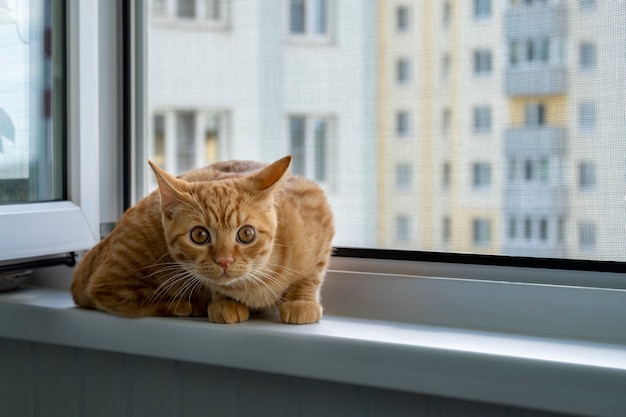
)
(432, 345)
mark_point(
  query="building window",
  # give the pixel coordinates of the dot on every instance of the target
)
(587, 236)
(537, 50)
(446, 229)
(446, 66)
(514, 52)
(534, 114)
(529, 170)
(185, 143)
(158, 139)
(482, 9)
(481, 119)
(587, 5)
(403, 71)
(528, 228)
(213, 9)
(482, 62)
(403, 228)
(309, 139)
(403, 124)
(182, 140)
(587, 117)
(587, 57)
(186, 9)
(308, 18)
(447, 14)
(402, 19)
(586, 175)
(446, 121)
(446, 175)
(159, 8)
(481, 174)
(481, 232)
(512, 230)
(404, 176)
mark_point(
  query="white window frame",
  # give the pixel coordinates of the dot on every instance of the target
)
(41, 229)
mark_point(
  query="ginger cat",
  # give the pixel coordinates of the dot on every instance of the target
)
(221, 241)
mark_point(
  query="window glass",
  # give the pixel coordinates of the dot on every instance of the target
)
(587, 55)
(488, 127)
(32, 102)
(482, 9)
(402, 19)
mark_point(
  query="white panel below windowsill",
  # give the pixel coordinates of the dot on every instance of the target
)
(533, 372)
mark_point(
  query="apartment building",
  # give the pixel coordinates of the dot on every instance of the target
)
(475, 126)
(566, 167)
(440, 108)
(258, 80)
(499, 124)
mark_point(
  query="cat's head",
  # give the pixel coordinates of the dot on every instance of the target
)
(221, 230)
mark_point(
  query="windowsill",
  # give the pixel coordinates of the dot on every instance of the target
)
(456, 338)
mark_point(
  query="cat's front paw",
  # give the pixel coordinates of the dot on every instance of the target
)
(228, 312)
(300, 312)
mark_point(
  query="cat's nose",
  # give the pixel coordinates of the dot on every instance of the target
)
(224, 262)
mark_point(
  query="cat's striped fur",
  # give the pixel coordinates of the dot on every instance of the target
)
(219, 241)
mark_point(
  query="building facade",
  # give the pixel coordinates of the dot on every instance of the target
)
(478, 126)
(259, 80)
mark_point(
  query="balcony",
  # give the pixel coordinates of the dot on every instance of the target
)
(537, 198)
(528, 142)
(535, 20)
(541, 80)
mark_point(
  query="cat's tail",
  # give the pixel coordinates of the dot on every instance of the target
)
(83, 272)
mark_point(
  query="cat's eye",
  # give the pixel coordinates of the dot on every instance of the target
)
(200, 235)
(246, 234)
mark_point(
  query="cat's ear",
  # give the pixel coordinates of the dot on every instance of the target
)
(170, 188)
(271, 174)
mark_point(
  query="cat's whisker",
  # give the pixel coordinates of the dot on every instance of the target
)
(155, 263)
(188, 286)
(258, 278)
(164, 287)
(171, 269)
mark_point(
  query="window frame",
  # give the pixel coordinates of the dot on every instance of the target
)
(482, 62)
(433, 284)
(310, 35)
(171, 20)
(73, 224)
(310, 149)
